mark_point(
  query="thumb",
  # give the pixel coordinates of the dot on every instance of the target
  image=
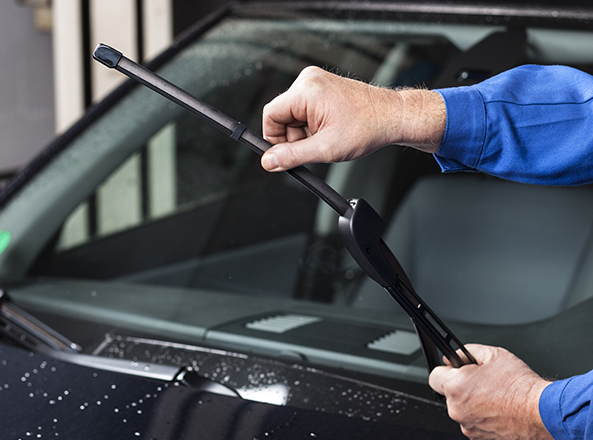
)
(289, 155)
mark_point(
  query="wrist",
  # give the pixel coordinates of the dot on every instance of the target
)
(538, 429)
(417, 119)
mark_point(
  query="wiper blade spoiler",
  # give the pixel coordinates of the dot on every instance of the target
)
(359, 224)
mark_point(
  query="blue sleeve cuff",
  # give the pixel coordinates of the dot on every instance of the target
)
(565, 408)
(550, 408)
(465, 131)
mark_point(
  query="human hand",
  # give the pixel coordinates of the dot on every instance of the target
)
(323, 117)
(496, 399)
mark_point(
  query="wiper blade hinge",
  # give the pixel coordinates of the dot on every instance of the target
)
(361, 229)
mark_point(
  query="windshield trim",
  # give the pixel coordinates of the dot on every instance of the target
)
(556, 12)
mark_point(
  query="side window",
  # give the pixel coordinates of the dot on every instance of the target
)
(190, 192)
(144, 188)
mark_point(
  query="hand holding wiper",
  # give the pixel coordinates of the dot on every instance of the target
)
(237, 131)
(360, 226)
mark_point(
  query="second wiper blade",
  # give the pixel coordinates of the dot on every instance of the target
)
(28, 331)
(360, 226)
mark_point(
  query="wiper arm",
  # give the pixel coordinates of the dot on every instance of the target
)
(28, 331)
(185, 375)
(361, 229)
(360, 226)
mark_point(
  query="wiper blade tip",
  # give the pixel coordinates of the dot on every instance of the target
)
(107, 55)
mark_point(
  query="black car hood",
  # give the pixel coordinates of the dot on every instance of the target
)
(41, 397)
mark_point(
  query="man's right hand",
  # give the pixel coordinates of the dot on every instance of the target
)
(324, 117)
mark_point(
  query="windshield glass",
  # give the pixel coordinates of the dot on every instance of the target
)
(152, 220)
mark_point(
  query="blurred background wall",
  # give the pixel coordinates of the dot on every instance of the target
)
(47, 78)
(26, 86)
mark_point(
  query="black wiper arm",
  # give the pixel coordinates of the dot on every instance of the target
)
(30, 333)
(359, 224)
(361, 229)
(185, 375)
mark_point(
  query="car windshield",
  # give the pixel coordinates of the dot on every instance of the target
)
(153, 221)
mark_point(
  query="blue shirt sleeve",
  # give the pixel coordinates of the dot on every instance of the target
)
(532, 124)
(565, 408)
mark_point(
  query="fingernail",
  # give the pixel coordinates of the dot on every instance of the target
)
(270, 162)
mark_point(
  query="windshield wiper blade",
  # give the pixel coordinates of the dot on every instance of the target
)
(29, 332)
(360, 226)
(237, 131)
(184, 375)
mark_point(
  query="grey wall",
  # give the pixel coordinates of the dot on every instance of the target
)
(26, 87)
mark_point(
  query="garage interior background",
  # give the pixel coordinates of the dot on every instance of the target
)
(47, 76)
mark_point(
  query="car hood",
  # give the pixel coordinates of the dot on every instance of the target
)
(74, 401)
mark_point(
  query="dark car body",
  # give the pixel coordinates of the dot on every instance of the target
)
(213, 300)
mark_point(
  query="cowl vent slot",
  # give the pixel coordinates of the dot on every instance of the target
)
(281, 324)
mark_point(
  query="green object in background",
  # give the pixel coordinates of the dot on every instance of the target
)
(5, 238)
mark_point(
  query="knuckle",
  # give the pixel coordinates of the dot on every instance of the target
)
(460, 416)
(311, 76)
(455, 414)
(311, 71)
(468, 432)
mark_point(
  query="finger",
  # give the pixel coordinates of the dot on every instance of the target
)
(290, 109)
(297, 133)
(439, 377)
(464, 357)
(481, 353)
(444, 376)
(283, 114)
(278, 116)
